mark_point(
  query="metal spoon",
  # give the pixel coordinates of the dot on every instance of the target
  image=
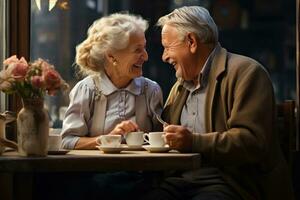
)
(158, 117)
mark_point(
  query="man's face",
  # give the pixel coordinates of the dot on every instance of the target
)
(177, 53)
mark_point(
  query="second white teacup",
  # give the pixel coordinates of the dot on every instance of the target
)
(134, 139)
(109, 140)
(155, 139)
(54, 142)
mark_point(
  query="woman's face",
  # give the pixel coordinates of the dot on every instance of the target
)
(131, 59)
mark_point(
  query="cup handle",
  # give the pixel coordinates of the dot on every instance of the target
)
(164, 137)
(146, 136)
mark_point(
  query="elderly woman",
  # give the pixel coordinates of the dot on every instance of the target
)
(114, 98)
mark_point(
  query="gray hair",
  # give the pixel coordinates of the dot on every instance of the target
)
(193, 19)
(110, 33)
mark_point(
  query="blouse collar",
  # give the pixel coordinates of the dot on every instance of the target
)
(107, 87)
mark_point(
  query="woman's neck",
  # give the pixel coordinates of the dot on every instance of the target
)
(118, 80)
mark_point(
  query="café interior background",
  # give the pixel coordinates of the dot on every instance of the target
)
(262, 29)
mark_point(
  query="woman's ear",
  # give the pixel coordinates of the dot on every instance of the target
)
(192, 42)
(109, 57)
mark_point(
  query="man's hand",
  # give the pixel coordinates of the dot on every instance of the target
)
(124, 127)
(179, 138)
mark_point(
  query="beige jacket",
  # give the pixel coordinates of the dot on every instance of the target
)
(240, 118)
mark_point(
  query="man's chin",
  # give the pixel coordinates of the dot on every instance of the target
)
(178, 75)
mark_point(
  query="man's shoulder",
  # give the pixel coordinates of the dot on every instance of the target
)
(241, 63)
(241, 60)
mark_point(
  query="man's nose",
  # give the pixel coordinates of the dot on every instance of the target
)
(165, 56)
(145, 55)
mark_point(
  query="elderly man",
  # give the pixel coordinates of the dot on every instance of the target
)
(223, 107)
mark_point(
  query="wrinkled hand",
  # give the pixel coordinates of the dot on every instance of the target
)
(124, 127)
(179, 138)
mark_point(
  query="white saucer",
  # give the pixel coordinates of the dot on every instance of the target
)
(134, 147)
(107, 149)
(153, 149)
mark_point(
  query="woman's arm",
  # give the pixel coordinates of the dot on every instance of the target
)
(86, 143)
(77, 117)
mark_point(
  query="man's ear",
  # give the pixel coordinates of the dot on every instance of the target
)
(192, 42)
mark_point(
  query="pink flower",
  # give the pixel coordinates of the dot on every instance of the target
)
(46, 66)
(23, 61)
(16, 68)
(19, 71)
(37, 81)
(52, 79)
(10, 60)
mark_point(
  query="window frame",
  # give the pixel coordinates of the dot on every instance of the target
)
(4, 39)
(18, 44)
(19, 38)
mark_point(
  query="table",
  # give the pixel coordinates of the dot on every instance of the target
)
(16, 173)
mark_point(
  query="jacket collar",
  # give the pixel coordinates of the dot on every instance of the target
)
(218, 62)
(218, 68)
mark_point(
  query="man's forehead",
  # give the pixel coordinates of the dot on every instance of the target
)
(168, 29)
(169, 33)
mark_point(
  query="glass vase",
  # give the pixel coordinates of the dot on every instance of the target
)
(33, 128)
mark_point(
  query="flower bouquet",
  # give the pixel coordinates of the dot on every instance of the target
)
(31, 81)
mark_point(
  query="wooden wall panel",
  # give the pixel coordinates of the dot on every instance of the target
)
(19, 44)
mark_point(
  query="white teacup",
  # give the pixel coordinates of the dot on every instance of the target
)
(109, 140)
(155, 139)
(54, 142)
(134, 139)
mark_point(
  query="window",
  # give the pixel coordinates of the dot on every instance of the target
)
(56, 29)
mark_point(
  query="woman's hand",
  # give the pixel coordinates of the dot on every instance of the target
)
(124, 127)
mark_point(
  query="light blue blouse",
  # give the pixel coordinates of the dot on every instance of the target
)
(142, 98)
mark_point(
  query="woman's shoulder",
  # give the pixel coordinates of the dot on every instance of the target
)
(84, 85)
(86, 82)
